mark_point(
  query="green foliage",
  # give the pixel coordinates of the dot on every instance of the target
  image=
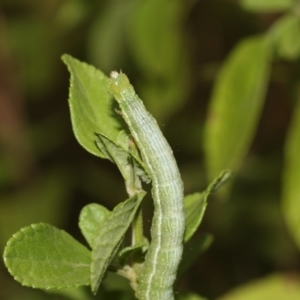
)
(191, 297)
(195, 205)
(267, 5)
(103, 230)
(106, 41)
(91, 105)
(127, 159)
(159, 50)
(47, 194)
(274, 287)
(94, 120)
(236, 105)
(42, 256)
(90, 220)
(286, 35)
(155, 44)
(109, 237)
(291, 177)
(172, 52)
(71, 293)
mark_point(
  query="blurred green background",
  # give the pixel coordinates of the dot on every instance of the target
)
(222, 79)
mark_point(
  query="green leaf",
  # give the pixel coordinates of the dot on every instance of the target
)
(275, 287)
(291, 177)
(192, 249)
(286, 36)
(236, 105)
(110, 236)
(129, 251)
(154, 28)
(79, 293)
(90, 220)
(42, 256)
(267, 6)
(157, 44)
(91, 105)
(106, 40)
(195, 205)
(191, 297)
(96, 125)
(127, 160)
(118, 295)
(115, 282)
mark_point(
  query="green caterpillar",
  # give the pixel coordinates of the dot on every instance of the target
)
(159, 271)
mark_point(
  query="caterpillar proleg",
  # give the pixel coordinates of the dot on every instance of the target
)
(159, 271)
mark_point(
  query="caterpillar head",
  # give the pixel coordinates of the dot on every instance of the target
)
(119, 82)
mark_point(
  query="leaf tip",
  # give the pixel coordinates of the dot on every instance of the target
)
(65, 57)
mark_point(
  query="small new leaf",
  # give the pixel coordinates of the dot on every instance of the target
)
(90, 220)
(42, 256)
(110, 236)
(195, 205)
